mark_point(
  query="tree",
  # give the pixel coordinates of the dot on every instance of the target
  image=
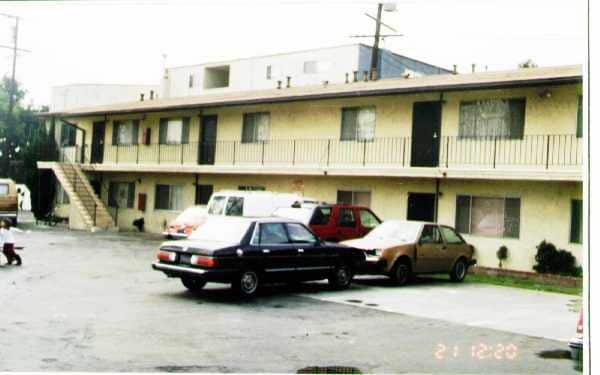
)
(23, 142)
(529, 63)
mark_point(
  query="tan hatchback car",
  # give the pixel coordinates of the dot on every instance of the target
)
(401, 249)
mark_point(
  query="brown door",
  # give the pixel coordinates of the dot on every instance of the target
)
(429, 250)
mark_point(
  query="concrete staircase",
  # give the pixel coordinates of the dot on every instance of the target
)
(81, 194)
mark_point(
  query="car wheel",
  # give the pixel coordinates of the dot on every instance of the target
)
(247, 283)
(401, 273)
(459, 271)
(14, 222)
(341, 277)
(193, 284)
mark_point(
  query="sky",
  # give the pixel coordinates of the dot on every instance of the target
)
(124, 41)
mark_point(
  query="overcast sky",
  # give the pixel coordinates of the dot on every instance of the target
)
(123, 42)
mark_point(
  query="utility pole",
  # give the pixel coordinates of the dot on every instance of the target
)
(13, 84)
(375, 51)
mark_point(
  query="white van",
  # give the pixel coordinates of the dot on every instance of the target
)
(253, 203)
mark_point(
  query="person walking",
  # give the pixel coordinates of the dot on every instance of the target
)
(8, 242)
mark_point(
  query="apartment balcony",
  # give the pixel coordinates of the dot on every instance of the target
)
(533, 157)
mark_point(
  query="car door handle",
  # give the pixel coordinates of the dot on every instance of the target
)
(300, 250)
(266, 251)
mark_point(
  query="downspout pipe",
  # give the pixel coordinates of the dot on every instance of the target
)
(437, 200)
(83, 132)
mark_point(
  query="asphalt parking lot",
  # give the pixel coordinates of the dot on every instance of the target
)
(90, 302)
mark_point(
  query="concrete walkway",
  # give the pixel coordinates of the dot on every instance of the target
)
(538, 314)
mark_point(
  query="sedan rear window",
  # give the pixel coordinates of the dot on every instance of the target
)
(299, 234)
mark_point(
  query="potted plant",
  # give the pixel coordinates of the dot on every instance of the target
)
(502, 254)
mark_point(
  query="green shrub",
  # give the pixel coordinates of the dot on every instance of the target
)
(502, 254)
(551, 260)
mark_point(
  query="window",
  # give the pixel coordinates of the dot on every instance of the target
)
(191, 81)
(68, 135)
(169, 197)
(269, 71)
(310, 67)
(272, 234)
(121, 194)
(216, 77)
(492, 118)
(368, 219)
(251, 188)
(203, 194)
(235, 206)
(255, 127)
(358, 198)
(358, 124)
(61, 195)
(488, 217)
(3, 189)
(174, 131)
(579, 116)
(321, 216)
(217, 205)
(576, 235)
(125, 132)
(299, 234)
(451, 236)
(430, 235)
(346, 218)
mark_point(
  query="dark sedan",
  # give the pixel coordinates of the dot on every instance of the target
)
(248, 252)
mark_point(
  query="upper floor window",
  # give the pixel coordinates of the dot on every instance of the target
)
(358, 124)
(579, 116)
(492, 118)
(121, 194)
(488, 217)
(203, 194)
(125, 132)
(255, 127)
(68, 135)
(169, 197)
(174, 131)
(310, 67)
(216, 77)
(251, 188)
(191, 81)
(576, 233)
(269, 72)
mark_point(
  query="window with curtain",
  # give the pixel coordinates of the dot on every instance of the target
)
(255, 127)
(358, 198)
(125, 132)
(579, 130)
(68, 136)
(503, 118)
(358, 124)
(169, 197)
(488, 217)
(576, 232)
(174, 131)
(121, 194)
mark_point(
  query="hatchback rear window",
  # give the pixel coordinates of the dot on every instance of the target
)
(3, 189)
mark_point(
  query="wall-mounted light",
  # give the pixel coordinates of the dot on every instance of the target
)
(545, 94)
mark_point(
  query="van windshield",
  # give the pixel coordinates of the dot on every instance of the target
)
(217, 204)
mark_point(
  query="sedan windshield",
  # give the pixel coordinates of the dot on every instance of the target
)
(221, 230)
(398, 230)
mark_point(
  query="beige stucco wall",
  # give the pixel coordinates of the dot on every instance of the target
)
(545, 206)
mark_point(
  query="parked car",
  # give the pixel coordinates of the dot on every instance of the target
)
(186, 222)
(333, 222)
(253, 203)
(401, 249)
(576, 343)
(247, 252)
(9, 201)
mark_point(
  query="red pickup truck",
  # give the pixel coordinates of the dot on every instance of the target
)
(334, 222)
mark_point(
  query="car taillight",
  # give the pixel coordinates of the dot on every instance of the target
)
(203, 261)
(580, 323)
(166, 256)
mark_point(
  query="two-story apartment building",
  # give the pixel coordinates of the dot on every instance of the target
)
(496, 154)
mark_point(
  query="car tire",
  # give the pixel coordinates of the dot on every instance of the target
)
(15, 221)
(401, 273)
(247, 283)
(459, 271)
(341, 277)
(193, 284)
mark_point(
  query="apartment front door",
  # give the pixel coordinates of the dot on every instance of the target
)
(208, 140)
(421, 207)
(425, 148)
(97, 155)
